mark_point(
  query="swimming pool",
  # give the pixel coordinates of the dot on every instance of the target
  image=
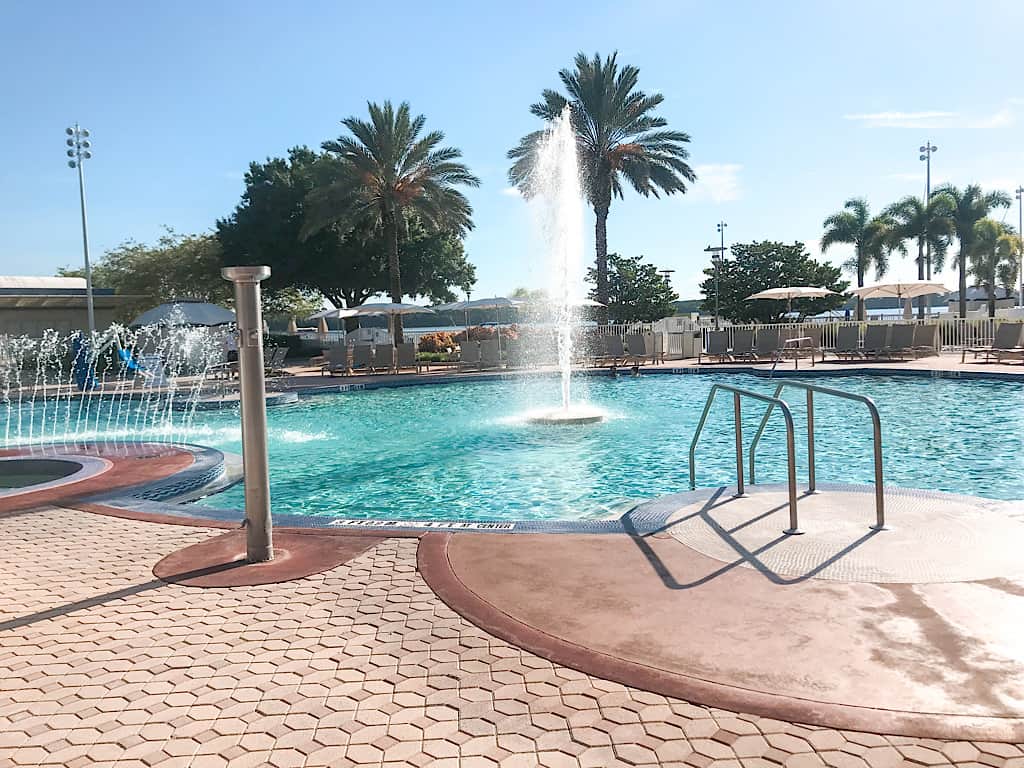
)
(463, 450)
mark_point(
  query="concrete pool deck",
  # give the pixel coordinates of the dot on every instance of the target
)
(363, 665)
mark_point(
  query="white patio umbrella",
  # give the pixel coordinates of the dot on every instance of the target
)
(185, 312)
(495, 302)
(391, 310)
(907, 289)
(791, 292)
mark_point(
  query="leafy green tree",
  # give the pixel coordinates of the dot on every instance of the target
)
(383, 174)
(345, 266)
(872, 240)
(176, 267)
(969, 206)
(993, 258)
(618, 139)
(637, 292)
(758, 266)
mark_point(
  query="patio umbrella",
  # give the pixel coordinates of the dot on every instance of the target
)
(495, 302)
(791, 292)
(185, 312)
(908, 289)
(293, 327)
(391, 310)
(321, 327)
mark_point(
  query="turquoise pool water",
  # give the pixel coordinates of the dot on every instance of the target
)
(462, 451)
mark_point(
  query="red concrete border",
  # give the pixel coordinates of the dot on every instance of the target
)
(220, 561)
(436, 569)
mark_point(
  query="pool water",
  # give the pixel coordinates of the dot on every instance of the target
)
(464, 450)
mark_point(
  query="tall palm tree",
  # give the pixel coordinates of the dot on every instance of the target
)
(970, 205)
(384, 172)
(924, 224)
(992, 260)
(617, 137)
(872, 239)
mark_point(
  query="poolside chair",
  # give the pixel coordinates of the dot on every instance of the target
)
(636, 349)
(767, 345)
(613, 352)
(926, 340)
(1008, 341)
(362, 358)
(337, 361)
(901, 341)
(743, 344)
(876, 340)
(514, 353)
(469, 356)
(406, 357)
(847, 343)
(717, 347)
(273, 363)
(490, 354)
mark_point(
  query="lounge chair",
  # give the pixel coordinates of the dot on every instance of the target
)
(1007, 341)
(901, 341)
(273, 363)
(847, 343)
(717, 347)
(338, 361)
(613, 353)
(469, 355)
(362, 358)
(767, 346)
(405, 355)
(636, 349)
(876, 341)
(743, 344)
(926, 340)
(514, 353)
(490, 354)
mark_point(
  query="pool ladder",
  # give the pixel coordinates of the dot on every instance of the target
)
(774, 401)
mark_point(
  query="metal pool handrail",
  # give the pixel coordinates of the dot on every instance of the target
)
(876, 438)
(737, 394)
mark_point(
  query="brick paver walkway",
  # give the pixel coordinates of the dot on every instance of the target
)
(100, 665)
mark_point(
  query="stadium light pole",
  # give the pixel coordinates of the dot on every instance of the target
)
(79, 150)
(926, 155)
(1019, 193)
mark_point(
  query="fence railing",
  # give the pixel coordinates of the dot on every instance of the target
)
(954, 333)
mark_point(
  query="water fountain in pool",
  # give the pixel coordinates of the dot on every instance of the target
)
(556, 184)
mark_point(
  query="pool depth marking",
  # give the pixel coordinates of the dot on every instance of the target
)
(442, 524)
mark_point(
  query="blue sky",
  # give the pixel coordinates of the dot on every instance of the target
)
(792, 108)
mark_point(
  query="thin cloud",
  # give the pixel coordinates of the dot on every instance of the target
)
(716, 182)
(927, 119)
(999, 119)
(512, 192)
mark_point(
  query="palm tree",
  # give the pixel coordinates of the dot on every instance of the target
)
(970, 206)
(992, 260)
(925, 224)
(617, 137)
(383, 173)
(872, 240)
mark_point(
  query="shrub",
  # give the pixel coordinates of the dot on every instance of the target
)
(436, 342)
(481, 332)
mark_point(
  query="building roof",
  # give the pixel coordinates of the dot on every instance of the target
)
(34, 282)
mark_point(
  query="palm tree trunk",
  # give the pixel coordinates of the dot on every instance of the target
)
(991, 289)
(920, 276)
(860, 284)
(601, 243)
(394, 269)
(961, 262)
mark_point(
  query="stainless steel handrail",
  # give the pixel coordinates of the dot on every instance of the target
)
(877, 439)
(737, 394)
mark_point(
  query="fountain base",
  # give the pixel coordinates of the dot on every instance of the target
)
(563, 416)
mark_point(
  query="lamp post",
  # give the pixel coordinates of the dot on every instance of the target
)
(79, 150)
(716, 259)
(926, 155)
(1019, 193)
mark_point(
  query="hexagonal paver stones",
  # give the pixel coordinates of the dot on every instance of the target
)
(359, 666)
